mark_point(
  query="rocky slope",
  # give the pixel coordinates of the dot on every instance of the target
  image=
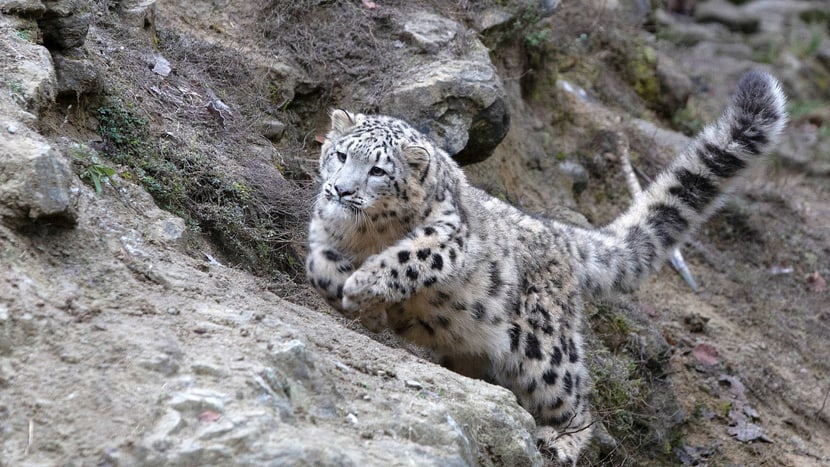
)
(156, 166)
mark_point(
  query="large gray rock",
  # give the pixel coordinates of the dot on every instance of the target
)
(286, 80)
(63, 24)
(76, 74)
(29, 75)
(294, 405)
(36, 184)
(675, 84)
(684, 33)
(456, 98)
(430, 32)
(138, 13)
(735, 18)
(32, 8)
(451, 92)
(458, 103)
(35, 181)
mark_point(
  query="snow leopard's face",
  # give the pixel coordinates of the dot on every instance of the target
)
(368, 166)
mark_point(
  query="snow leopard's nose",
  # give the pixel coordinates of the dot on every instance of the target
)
(341, 191)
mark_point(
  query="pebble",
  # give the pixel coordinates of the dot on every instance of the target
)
(208, 369)
(161, 363)
(216, 430)
(161, 66)
(170, 424)
(272, 129)
(12, 129)
(69, 358)
(414, 384)
(198, 400)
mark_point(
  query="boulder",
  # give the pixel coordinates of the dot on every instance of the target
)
(138, 13)
(735, 18)
(456, 98)
(492, 18)
(295, 405)
(675, 84)
(271, 128)
(76, 74)
(36, 183)
(430, 32)
(63, 25)
(285, 79)
(34, 80)
(29, 8)
(29, 74)
(684, 33)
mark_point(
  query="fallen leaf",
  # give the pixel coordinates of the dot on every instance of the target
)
(750, 412)
(209, 416)
(162, 66)
(816, 283)
(370, 4)
(669, 338)
(736, 387)
(706, 354)
(320, 139)
(741, 428)
(648, 309)
(746, 432)
(695, 455)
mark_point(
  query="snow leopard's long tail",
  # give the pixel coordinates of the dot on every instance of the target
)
(618, 257)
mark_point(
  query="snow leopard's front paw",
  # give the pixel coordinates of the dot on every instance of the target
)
(362, 292)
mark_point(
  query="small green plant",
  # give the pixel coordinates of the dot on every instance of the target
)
(122, 127)
(800, 108)
(699, 411)
(810, 46)
(642, 72)
(125, 131)
(94, 171)
(687, 121)
(24, 34)
(537, 38)
(241, 190)
(767, 53)
(815, 16)
(723, 409)
(15, 88)
(98, 174)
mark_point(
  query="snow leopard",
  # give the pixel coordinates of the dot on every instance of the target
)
(400, 240)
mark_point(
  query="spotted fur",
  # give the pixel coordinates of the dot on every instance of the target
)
(399, 239)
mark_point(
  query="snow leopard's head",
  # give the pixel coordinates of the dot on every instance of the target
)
(372, 166)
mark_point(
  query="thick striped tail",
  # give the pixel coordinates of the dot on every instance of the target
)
(619, 256)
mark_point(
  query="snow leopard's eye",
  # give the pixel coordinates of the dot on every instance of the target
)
(341, 156)
(376, 171)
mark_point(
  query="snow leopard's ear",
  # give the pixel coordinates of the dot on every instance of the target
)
(342, 121)
(418, 158)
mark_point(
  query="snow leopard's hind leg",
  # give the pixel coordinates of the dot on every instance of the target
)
(546, 364)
